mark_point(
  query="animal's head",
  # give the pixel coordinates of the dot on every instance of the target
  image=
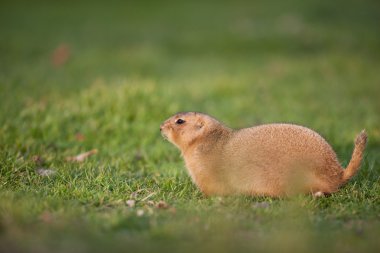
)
(184, 129)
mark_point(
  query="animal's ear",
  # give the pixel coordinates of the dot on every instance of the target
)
(200, 124)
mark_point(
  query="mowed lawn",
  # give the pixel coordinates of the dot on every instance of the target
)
(78, 76)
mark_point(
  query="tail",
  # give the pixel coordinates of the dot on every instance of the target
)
(357, 156)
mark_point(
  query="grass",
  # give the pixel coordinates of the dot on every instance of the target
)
(131, 65)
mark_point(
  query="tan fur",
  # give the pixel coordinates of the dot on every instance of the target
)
(267, 160)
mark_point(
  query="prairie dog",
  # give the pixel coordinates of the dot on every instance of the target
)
(265, 160)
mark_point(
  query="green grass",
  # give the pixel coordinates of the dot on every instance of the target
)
(134, 64)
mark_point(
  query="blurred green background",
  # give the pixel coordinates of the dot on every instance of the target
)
(83, 75)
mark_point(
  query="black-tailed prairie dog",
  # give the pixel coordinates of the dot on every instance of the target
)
(264, 160)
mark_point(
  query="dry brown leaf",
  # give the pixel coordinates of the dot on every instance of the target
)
(81, 157)
(79, 137)
(60, 55)
(162, 204)
(38, 160)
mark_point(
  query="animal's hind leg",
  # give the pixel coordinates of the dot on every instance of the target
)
(318, 194)
(320, 189)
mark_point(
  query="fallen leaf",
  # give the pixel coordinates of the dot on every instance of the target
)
(79, 137)
(131, 202)
(81, 157)
(45, 172)
(60, 55)
(38, 160)
(162, 205)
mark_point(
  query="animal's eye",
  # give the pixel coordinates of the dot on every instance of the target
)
(179, 121)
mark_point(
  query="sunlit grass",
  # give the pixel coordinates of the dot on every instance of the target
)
(130, 66)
